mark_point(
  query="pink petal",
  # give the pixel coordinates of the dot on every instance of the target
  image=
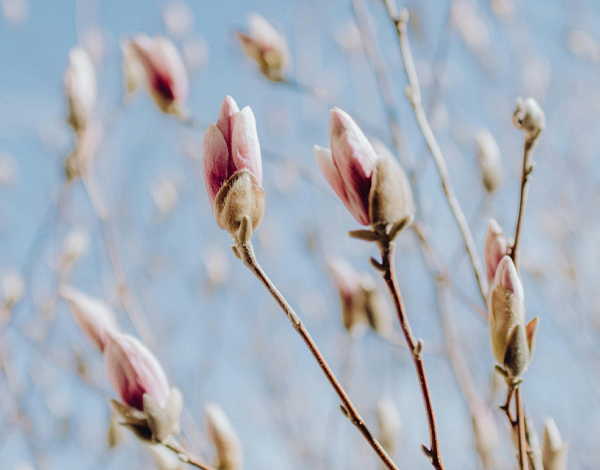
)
(94, 317)
(133, 371)
(215, 161)
(495, 248)
(332, 175)
(245, 149)
(175, 69)
(507, 277)
(354, 157)
(228, 108)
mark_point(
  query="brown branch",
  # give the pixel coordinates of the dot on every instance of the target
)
(246, 253)
(416, 347)
(525, 179)
(185, 456)
(413, 93)
(523, 461)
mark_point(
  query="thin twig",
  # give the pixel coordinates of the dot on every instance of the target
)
(525, 179)
(416, 346)
(413, 93)
(185, 456)
(246, 252)
(523, 462)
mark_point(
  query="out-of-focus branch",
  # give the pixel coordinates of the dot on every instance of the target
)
(413, 93)
(246, 253)
(384, 81)
(185, 456)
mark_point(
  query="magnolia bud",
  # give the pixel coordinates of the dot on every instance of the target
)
(267, 47)
(75, 245)
(233, 168)
(389, 424)
(348, 283)
(377, 311)
(554, 450)
(13, 286)
(80, 87)
(372, 186)
(530, 117)
(93, 316)
(496, 246)
(133, 371)
(224, 437)
(512, 341)
(163, 72)
(490, 160)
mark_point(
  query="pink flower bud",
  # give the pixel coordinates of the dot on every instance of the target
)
(512, 340)
(495, 248)
(165, 73)
(94, 317)
(267, 47)
(80, 87)
(230, 147)
(371, 186)
(134, 371)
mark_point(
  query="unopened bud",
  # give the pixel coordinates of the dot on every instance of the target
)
(530, 117)
(13, 285)
(389, 424)
(267, 47)
(554, 450)
(75, 245)
(224, 437)
(490, 160)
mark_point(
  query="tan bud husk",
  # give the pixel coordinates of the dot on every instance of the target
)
(154, 424)
(508, 332)
(115, 431)
(389, 424)
(490, 161)
(165, 459)
(241, 195)
(377, 311)
(554, 450)
(390, 199)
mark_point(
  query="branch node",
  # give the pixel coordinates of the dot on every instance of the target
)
(377, 265)
(344, 411)
(427, 451)
(418, 351)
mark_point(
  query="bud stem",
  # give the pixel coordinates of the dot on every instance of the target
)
(389, 275)
(246, 252)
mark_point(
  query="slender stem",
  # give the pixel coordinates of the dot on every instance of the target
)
(389, 275)
(525, 179)
(185, 456)
(523, 461)
(246, 253)
(414, 95)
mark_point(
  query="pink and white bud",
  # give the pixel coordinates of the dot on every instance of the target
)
(93, 316)
(371, 186)
(267, 47)
(496, 246)
(224, 437)
(512, 340)
(348, 283)
(134, 371)
(164, 72)
(80, 87)
(232, 166)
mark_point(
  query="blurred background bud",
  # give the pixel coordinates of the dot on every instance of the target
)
(13, 286)
(554, 450)
(224, 438)
(490, 160)
(389, 424)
